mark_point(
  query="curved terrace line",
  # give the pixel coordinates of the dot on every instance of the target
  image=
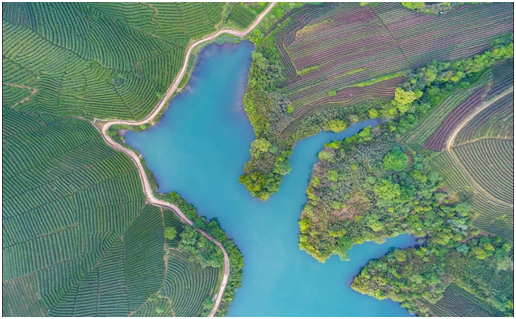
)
(451, 140)
(145, 182)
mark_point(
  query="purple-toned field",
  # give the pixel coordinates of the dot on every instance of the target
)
(337, 46)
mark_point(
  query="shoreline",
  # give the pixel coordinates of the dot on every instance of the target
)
(162, 104)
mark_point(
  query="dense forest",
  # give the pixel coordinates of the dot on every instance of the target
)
(369, 186)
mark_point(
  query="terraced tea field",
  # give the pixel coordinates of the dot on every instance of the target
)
(457, 302)
(78, 237)
(333, 47)
(241, 15)
(490, 163)
(479, 163)
(99, 60)
(496, 121)
(185, 286)
(464, 99)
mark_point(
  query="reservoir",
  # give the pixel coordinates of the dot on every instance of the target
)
(199, 149)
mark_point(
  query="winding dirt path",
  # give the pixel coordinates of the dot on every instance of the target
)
(145, 182)
(32, 92)
(451, 140)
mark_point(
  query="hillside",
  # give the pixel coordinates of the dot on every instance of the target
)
(79, 236)
(328, 66)
(457, 198)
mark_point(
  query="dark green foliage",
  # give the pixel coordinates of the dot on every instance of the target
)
(176, 199)
(203, 249)
(264, 105)
(423, 274)
(396, 160)
(354, 198)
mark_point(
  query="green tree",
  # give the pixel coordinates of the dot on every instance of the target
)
(333, 176)
(170, 232)
(273, 149)
(400, 255)
(324, 156)
(373, 113)
(335, 126)
(396, 160)
(413, 5)
(282, 167)
(207, 304)
(259, 146)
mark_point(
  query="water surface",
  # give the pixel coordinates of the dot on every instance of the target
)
(199, 149)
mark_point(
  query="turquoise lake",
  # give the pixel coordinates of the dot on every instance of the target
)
(199, 149)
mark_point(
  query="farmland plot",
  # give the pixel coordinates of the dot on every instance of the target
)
(242, 15)
(437, 141)
(78, 237)
(457, 302)
(434, 120)
(490, 163)
(101, 60)
(337, 46)
(495, 121)
(456, 35)
(348, 45)
(493, 218)
(503, 77)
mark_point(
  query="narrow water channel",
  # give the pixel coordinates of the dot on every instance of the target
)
(199, 149)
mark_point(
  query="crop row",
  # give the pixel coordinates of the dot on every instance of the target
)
(452, 36)
(77, 86)
(437, 141)
(457, 302)
(503, 77)
(379, 91)
(199, 18)
(160, 307)
(241, 16)
(490, 163)
(20, 298)
(493, 218)
(129, 271)
(188, 284)
(99, 60)
(495, 121)
(454, 179)
(67, 200)
(431, 122)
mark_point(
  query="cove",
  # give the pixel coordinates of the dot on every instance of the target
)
(199, 149)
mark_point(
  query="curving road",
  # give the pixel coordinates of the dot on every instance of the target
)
(145, 182)
(451, 140)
